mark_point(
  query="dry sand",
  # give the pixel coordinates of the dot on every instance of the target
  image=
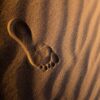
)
(72, 29)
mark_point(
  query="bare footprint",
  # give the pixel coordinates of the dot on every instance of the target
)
(40, 55)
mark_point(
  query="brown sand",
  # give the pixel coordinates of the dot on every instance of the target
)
(72, 29)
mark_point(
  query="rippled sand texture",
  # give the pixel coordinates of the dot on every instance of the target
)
(72, 29)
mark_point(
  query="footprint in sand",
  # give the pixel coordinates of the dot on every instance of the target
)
(40, 55)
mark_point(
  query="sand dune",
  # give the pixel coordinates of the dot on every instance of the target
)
(71, 28)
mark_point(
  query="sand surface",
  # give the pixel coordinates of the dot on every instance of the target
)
(72, 29)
